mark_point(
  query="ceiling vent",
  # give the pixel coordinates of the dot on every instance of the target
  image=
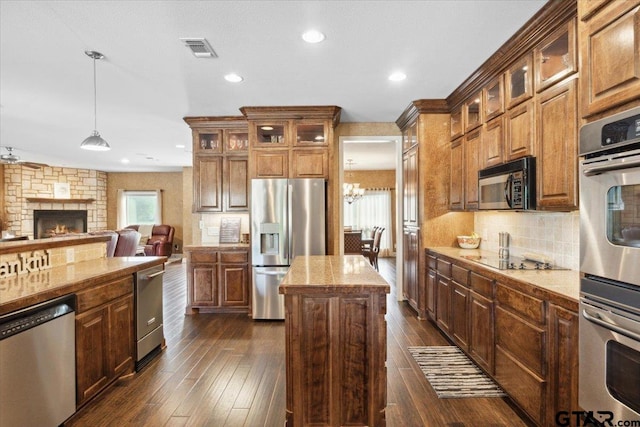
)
(200, 47)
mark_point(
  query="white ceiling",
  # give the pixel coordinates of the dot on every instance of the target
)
(149, 81)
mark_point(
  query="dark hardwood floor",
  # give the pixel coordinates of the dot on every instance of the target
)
(228, 370)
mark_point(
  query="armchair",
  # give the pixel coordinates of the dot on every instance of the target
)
(160, 242)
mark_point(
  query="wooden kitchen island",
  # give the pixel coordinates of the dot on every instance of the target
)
(336, 341)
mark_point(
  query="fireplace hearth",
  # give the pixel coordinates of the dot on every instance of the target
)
(53, 223)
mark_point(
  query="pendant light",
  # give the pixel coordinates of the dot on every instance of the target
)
(95, 141)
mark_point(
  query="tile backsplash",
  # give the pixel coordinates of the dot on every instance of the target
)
(553, 234)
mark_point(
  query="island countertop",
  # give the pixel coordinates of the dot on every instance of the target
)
(322, 274)
(27, 289)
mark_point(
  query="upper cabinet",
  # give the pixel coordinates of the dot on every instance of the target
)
(220, 163)
(457, 127)
(493, 98)
(473, 112)
(518, 81)
(555, 57)
(291, 142)
(610, 54)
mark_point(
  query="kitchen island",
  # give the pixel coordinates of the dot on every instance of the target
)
(336, 340)
(102, 290)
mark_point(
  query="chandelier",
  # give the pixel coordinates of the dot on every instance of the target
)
(351, 191)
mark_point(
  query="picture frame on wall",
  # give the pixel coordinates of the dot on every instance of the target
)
(61, 190)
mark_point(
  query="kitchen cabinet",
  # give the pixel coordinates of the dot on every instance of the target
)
(104, 336)
(220, 164)
(472, 156)
(493, 98)
(460, 306)
(481, 321)
(563, 362)
(456, 186)
(557, 149)
(291, 142)
(492, 144)
(473, 111)
(524, 339)
(457, 125)
(519, 86)
(410, 136)
(520, 134)
(609, 37)
(411, 245)
(410, 187)
(217, 279)
(555, 58)
(443, 295)
(521, 349)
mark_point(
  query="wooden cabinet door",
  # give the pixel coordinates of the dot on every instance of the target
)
(92, 353)
(204, 285)
(207, 188)
(431, 284)
(459, 315)
(563, 362)
(557, 152)
(236, 184)
(481, 335)
(519, 141)
(472, 154)
(310, 163)
(456, 192)
(410, 267)
(492, 143)
(234, 285)
(410, 185)
(610, 56)
(121, 335)
(443, 304)
(270, 163)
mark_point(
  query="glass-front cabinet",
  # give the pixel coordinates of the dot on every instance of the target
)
(494, 99)
(271, 134)
(306, 133)
(555, 58)
(457, 128)
(473, 111)
(237, 141)
(208, 141)
(518, 81)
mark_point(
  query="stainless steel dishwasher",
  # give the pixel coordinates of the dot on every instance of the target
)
(149, 319)
(38, 364)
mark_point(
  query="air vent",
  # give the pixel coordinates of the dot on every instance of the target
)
(200, 47)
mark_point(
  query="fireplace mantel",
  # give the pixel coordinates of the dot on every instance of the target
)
(52, 200)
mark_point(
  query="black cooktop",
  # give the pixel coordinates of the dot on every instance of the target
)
(512, 263)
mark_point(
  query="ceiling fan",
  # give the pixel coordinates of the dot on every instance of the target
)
(12, 159)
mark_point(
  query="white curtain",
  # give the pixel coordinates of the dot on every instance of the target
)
(373, 209)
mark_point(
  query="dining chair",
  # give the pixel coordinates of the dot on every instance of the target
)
(372, 252)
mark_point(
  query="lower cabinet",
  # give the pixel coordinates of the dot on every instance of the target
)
(104, 336)
(410, 281)
(526, 342)
(217, 280)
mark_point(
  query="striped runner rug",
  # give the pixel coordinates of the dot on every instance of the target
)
(452, 374)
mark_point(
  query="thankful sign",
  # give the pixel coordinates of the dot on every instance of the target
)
(27, 262)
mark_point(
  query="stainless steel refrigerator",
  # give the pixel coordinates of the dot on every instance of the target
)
(287, 220)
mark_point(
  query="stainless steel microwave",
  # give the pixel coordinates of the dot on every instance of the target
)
(509, 186)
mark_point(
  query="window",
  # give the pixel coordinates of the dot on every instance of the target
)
(139, 207)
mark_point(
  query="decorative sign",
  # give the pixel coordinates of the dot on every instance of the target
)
(61, 190)
(26, 263)
(230, 230)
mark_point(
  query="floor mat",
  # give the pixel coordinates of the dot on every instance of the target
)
(452, 374)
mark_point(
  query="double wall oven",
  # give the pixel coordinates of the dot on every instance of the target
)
(610, 263)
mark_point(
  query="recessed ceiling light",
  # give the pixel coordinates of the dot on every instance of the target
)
(125, 161)
(233, 78)
(313, 36)
(396, 77)
(179, 145)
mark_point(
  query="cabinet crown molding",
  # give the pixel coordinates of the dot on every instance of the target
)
(324, 112)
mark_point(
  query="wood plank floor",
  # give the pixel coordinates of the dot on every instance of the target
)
(228, 370)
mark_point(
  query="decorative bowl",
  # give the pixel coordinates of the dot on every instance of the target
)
(469, 242)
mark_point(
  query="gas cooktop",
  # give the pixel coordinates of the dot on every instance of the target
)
(512, 263)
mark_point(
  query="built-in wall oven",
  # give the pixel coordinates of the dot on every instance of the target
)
(610, 263)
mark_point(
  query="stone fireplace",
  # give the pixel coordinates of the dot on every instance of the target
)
(52, 223)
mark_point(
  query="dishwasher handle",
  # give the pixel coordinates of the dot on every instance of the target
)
(156, 274)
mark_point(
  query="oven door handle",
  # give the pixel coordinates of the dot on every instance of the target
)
(615, 328)
(621, 164)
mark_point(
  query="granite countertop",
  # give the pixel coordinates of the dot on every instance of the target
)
(347, 273)
(565, 283)
(217, 246)
(27, 289)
